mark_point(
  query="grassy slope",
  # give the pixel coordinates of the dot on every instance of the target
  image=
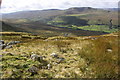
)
(7, 27)
(84, 13)
(42, 29)
(93, 18)
(53, 17)
(94, 15)
(84, 57)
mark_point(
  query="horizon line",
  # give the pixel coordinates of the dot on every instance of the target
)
(54, 9)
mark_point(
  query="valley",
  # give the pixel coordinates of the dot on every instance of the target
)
(79, 42)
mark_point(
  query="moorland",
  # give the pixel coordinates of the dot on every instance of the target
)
(79, 42)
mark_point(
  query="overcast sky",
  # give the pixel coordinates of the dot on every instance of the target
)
(9, 6)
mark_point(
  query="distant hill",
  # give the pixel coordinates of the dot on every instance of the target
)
(7, 27)
(32, 14)
(45, 13)
(78, 10)
(86, 13)
(47, 30)
(52, 22)
(112, 9)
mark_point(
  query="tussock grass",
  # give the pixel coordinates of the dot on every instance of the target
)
(102, 61)
(83, 58)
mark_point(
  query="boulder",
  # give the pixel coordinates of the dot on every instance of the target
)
(33, 70)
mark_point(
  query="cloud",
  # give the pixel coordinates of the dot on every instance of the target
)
(21, 5)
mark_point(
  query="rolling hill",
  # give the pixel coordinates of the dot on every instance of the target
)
(7, 27)
(58, 22)
(94, 15)
(48, 30)
(46, 13)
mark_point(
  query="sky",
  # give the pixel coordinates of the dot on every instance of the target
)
(9, 6)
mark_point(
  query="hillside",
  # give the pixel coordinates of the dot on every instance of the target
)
(48, 30)
(60, 57)
(8, 27)
(87, 13)
(44, 13)
(78, 21)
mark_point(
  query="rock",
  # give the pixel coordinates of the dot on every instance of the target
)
(8, 46)
(60, 60)
(10, 43)
(2, 46)
(10, 54)
(33, 70)
(54, 63)
(48, 66)
(35, 57)
(40, 58)
(66, 35)
(54, 55)
(93, 38)
(13, 42)
(2, 42)
(17, 42)
(109, 50)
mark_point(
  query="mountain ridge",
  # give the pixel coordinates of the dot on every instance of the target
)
(45, 13)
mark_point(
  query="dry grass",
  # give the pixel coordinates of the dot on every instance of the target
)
(102, 55)
(83, 58)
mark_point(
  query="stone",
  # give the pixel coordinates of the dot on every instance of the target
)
(10, 43)
(54, 55)
(109, 50)
(10, 54)
(55, 63)
(8, 46)
(93, 38)
(13, 42)
(60, 60)
(17, 42)
(40, 58)
(49, 66)
(2, 42)
(2, 46)
(35, 57)
(33, 70)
